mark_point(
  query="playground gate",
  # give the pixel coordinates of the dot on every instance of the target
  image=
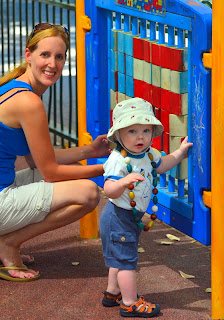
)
(153, 49)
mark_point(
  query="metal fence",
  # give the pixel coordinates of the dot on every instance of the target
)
(17, 19)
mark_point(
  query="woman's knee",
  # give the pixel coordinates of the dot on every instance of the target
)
(76, 192)
(92, 195)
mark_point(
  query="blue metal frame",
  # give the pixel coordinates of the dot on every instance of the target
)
(196, 19)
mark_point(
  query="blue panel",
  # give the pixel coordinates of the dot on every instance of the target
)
(128, 44)
(113, 40)
(129, 86)
(121, 82)
(169, 19)
(120, 41)
(121, 62)
(129, 65)
(113, 64)
(183, 15)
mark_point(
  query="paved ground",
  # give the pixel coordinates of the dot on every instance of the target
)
(69, 292)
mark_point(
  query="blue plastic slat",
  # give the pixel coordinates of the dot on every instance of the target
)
(118, 21)
(134, 26)
(161, 33)
(126, 23)
(142, 28)
(152, 31)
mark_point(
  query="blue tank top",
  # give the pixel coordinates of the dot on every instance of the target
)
(12, 141)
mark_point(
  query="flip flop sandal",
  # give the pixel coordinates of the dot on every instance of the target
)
(146, 310)
(6, 276)
(111, 300)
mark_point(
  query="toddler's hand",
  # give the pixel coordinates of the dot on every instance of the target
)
(185, 145)
(131, 178)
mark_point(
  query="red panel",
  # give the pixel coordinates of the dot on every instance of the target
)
(138, 48)
(165, 120)
(157, 144)
(166, 145)
(165, 100)
(147, 51)
(156, 97)
(147, 95)
(155, 52)
(111, 117)
(177, 59)
(139, 88)
(157, 113)
(165, 57)
(176, 103)
(116, 80)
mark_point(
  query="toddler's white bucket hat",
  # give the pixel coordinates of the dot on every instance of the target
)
(133, 111)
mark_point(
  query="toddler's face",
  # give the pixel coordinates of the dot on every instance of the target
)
(137, 137)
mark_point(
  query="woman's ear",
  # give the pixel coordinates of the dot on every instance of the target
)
(27, 55)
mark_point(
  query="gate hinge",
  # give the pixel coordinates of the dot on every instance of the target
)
(86, 23)
(207, 59)
(207, 198)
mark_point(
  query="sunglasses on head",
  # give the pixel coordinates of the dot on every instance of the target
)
(45, 26)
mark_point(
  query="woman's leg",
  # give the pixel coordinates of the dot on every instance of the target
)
(71, 201)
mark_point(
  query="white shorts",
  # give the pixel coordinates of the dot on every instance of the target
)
(28, 200)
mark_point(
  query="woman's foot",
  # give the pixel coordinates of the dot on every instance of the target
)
(26, 258)
(11, 256)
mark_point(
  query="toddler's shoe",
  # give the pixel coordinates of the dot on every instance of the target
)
(111, 300)
(146, 310)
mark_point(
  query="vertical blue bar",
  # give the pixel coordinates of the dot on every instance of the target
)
(152, 31)
(110, 26)
(180, 188)
(118, 21)
(180, 38)
(143, 28)
(126, 24)
(171, 184)
(134, 26)
(161, 33)
(189, 129)
(162, 180)
(171, 39)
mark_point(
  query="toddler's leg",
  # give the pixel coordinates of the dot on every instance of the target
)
(112, 295)
(127, 283)
(113, 286)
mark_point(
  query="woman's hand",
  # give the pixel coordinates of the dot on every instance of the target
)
(100, 147)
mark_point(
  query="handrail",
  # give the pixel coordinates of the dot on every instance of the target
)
(217, 160)
(214, 60)
(88, 224)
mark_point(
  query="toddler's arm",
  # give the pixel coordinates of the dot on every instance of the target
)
(172, 159)
(114, 189)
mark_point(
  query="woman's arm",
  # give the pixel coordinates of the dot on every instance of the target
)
(33, 119)
(98, 148)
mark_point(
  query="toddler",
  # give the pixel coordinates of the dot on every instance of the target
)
(129, 172)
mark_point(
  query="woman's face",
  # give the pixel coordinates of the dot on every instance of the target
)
(46, 62)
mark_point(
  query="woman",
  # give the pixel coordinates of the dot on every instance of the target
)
(43, 197)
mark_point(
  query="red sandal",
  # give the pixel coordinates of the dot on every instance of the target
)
(146, 310)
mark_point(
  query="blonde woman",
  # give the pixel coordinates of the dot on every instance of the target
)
(53, 191)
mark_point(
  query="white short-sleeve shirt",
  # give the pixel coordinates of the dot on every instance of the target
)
(115, 168)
